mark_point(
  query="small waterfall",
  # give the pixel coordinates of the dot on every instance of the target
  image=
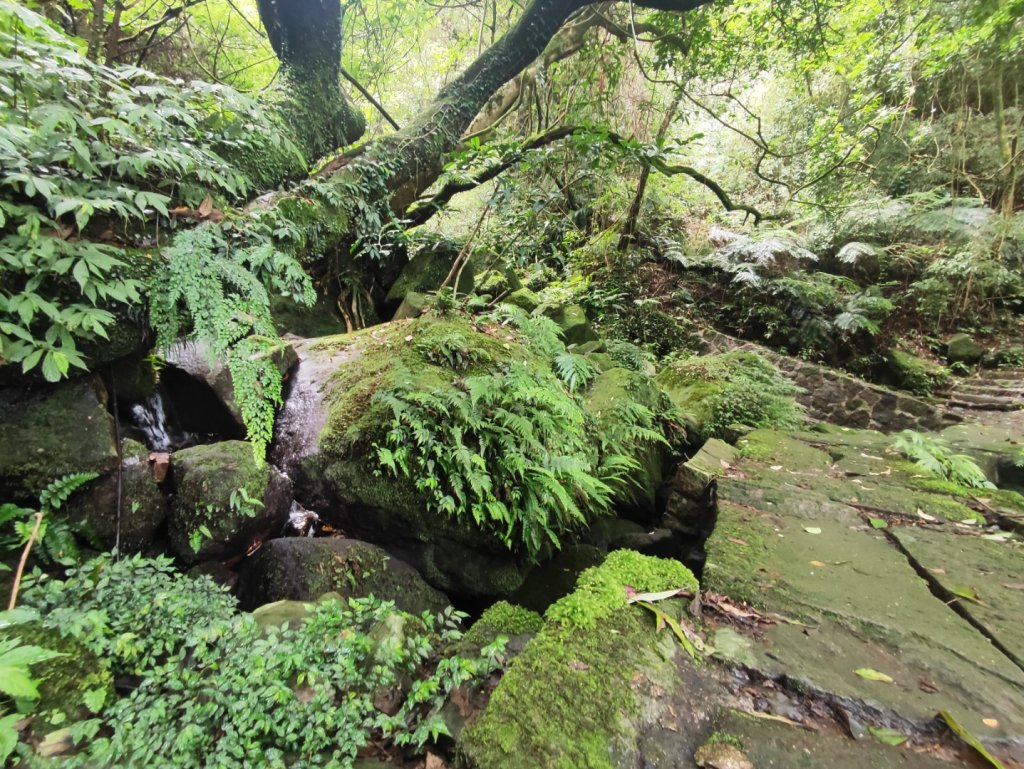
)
(150, 418)
(148, 421)
(181, 412)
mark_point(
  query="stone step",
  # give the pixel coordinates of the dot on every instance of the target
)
(991, 389)
(984, 402)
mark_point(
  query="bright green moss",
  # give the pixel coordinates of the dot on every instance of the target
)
(718, 391)
(566, 701)
(501, 619)
(771, 447)
(735, 553)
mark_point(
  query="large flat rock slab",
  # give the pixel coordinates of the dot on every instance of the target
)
(983, 577)
(796, 536)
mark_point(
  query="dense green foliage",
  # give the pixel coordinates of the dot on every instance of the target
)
(513, 448)
(216, 688)
(54, 535)
(94, 158)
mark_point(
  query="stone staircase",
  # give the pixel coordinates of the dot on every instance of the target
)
(993, 397)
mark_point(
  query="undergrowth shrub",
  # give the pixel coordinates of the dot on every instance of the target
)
(735, 388)
(214, 688)
(94, 158)
(134, 612)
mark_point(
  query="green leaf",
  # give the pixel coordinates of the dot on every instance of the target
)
(873, 675)
(17, 683)
(970, 739)
(94, 699)
(887, 736)
(8, 736)
(878, 523)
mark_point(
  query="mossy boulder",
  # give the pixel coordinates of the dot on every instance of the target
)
(489, 387)
(612, 394)
(572, 321)
(51, 431)
(495, 281)
(206, 481)
(523, 298)
(961, 348)
(290, 317)
(515, 623)
(412, 306)
(913, 373)
(427, 270)
(302, 569)
(715, 392)
(578, 694)
(144, 507)
(334, 458)
(63, 681)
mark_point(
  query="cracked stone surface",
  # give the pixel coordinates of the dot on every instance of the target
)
(858, 553)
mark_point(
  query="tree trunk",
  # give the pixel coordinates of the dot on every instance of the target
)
(406, 163)
(306, 37)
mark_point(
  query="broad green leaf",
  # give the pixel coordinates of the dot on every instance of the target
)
(887, 735)
(17, 683)
(873, 675)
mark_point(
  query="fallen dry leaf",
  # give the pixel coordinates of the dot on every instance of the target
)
(927, 686)
(818, 564)
(991, 723)
(435, 762)
(738, 541)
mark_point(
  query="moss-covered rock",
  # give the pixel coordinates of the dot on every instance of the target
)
(495, 281)
(961, 348)
(427, 270)
(571, 319)
(412, 306)
(302, 569)
(51, 431)
(206, 480)
(573, 698)
(715, 392)
(63, 681)
(143, 506)
(523, 298)
(290, 317)
(914, 373)
(500, 619)
(612, 394)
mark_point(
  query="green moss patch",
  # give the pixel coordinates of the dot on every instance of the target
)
(567, 700)
(735, 388)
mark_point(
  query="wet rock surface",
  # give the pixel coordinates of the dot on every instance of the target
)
(131, 524)
(830, 535)
(207, 480)
(50, 431)
(303, 569)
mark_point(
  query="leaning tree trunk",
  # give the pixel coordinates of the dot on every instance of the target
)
(392, 172)
(306, 37)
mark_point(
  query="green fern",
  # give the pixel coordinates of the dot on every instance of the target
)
(935, 458)
(574, 370)
(513, 449)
